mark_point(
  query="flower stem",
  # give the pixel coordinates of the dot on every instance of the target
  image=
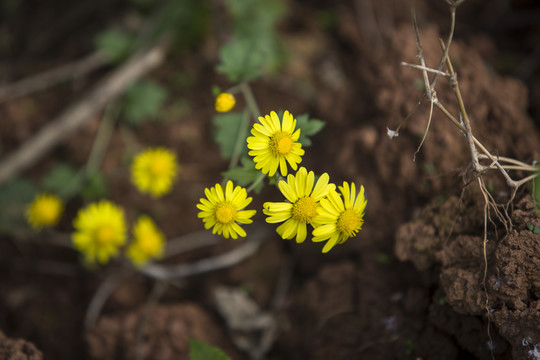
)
(250, 100)
(256, 182)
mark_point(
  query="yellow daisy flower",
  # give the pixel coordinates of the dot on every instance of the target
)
(99, 231)
(340, 219)
(222, 210)
(225, 102)
(153, 171)
(148, 242)
(302, 206)
(45, 210)
(275, 143)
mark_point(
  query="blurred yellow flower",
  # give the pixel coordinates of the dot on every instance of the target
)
(275, 143)
(100, 231)
(225, 102)
(302, 206)
(153, 171)
(148, 242)
(222, 210)
(340, 219)
(45, 210)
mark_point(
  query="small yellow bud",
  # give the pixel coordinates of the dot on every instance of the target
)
(225, 102)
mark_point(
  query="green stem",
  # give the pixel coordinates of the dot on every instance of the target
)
(240, 140)
(250, 100)
(102, 140)
(255, 183)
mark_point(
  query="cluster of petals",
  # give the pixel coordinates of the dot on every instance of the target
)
(148, 242)
(333, 216)
(334, 219)
(153, 171)
(222, 210)
(275, 143)
(100, 231)
(225, 102)
(303, 196)
(44, 211)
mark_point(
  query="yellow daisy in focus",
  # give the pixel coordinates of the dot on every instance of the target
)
(153, 171)
(340, 219)
(302, 206)
(45, 210)
(222, 210)
(225, 102)
(100, 230)
(148, 242)
(275, 143)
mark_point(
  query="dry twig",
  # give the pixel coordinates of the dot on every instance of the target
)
(52, 77)
(76, 115)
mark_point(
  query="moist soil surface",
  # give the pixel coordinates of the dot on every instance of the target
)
(425, 277)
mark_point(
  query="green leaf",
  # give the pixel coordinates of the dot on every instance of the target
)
(245, 175)
(308, 127)
(15, 196)
(230, 128)
(63, 180)
(241, 60)
(115, 44)
(95, 188)
(201, 351)
(143, 101)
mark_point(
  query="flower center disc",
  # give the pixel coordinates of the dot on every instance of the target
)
(46, 212)
(104, 235)
(304, 209)
(281, 143)
(224, 214)
(349, 223)
(158, 167)
(149, 243)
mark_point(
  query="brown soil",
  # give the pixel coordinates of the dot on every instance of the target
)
(411, 285)
(18, 349)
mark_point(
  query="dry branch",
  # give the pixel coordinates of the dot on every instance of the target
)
(238, 254)
(54, 76)
(79, 113)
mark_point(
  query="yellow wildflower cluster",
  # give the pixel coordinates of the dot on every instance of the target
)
(45, 210)
(154, 170)
(333, 216)
(148, 242)
(223, 210)
(100, 233)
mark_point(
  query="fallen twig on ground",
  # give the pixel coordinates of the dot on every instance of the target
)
(76, 115)
(54, 76)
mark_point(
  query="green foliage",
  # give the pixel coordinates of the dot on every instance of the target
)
(254, 45)
(143, 101)
(245, 175)
(308, 127)
(241, 60)
(384, 258)
(534, 229)
(62, 180)
(201, 351)
(95, 187)
(443, 301)
(115, 44)
(409, 347)
(66, 182)
(14, 197)
(230, 129)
